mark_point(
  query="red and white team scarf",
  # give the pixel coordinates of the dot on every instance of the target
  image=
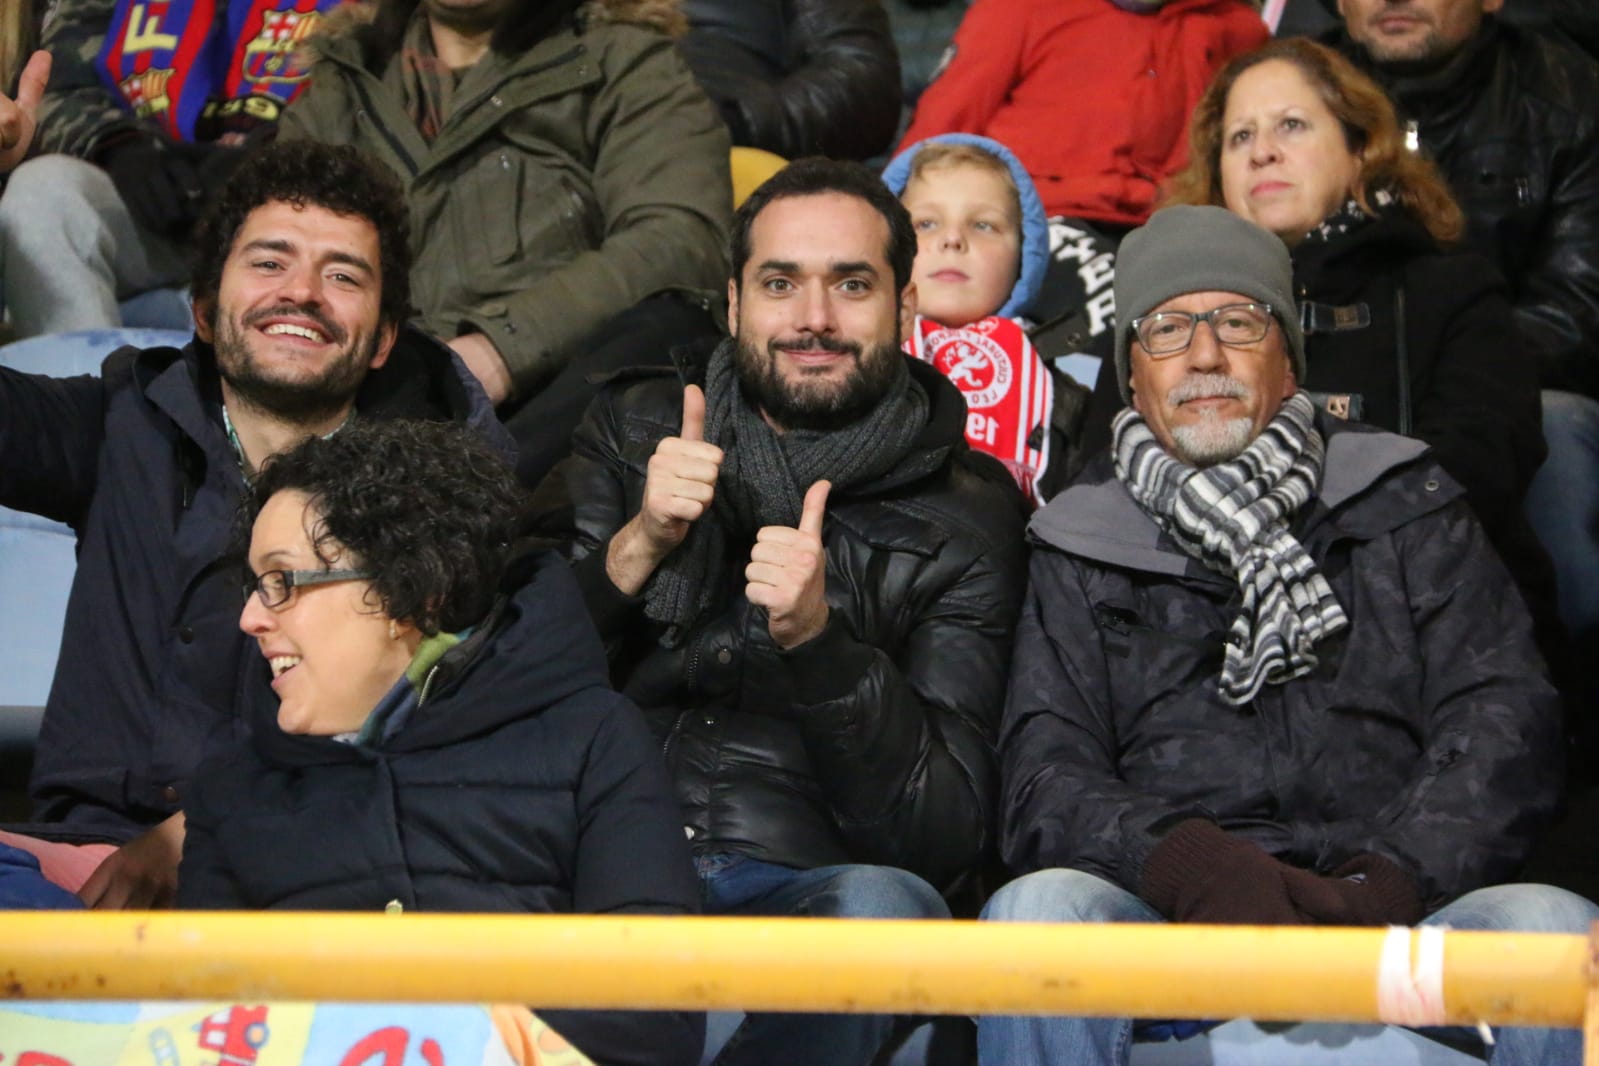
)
(1010, 395)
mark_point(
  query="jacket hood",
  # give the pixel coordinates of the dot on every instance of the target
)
(422, 378)
(1393, 233)
(1035, 223)
(663, 16)
(1098, 519)
(537, 648)
(354, 17)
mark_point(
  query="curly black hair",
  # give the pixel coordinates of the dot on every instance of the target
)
(428, 507)
(336, 178)
(814, 176)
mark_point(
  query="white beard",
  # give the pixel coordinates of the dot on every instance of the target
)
(1212, 440)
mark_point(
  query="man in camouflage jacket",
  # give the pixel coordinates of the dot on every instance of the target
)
(1320, 705)
(148, 110)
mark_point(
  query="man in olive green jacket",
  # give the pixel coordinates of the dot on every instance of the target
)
(562, 166)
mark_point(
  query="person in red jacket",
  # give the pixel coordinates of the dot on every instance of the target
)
(1098, 127)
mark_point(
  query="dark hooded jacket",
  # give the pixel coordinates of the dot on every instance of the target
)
(1426, 734)
(520, 784)
(137, 462)
(1511, 122)
(871, 743)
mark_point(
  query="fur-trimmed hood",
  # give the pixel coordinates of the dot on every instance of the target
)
(663, 16)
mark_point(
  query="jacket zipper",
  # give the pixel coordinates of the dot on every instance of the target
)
(427, 683)
(367, 111)
(671, 734)
(688, 683)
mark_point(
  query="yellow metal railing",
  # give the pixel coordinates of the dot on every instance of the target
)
(1171, 971)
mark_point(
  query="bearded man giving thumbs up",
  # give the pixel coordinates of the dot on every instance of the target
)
(809, 583)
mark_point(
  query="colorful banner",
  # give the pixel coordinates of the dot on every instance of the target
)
(277, 1034)
(200, 77)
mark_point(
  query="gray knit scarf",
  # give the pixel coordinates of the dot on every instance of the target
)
(763, 481)
(1234, 518)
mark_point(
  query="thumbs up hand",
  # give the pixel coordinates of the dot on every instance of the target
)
(787, 574)
(17, 117)
(679, 485)
(681, 480)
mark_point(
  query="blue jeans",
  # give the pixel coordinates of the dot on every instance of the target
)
(736, 884)
(1563, 506)
(1074, 896)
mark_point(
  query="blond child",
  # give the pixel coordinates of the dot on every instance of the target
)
(983, 247)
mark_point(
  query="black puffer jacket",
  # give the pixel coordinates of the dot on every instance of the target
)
(798, 77)
(1426, 734)
(521, 784)
(1513, 124)
(872, 743)
(1470, 391)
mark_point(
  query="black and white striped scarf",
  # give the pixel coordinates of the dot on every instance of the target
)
(1234, 518)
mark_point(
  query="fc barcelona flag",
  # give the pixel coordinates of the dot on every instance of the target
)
(197, 75)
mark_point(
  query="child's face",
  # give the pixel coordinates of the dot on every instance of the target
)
(968, 242)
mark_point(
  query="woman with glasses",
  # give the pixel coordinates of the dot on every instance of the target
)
(432, 727)
(1402, 330)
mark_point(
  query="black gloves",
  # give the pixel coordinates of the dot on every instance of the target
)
(1201, 873)
(1366, 890)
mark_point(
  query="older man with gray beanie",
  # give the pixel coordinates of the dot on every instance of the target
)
(1269, 670)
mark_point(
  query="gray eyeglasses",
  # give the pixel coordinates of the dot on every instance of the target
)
(275, 587)
(1169, 332)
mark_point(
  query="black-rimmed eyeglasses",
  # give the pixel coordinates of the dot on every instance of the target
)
(1169, 332)
(275, 587)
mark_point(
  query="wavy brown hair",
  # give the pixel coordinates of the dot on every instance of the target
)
(1371, 130)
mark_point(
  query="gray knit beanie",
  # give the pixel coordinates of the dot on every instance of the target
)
(1202, 249)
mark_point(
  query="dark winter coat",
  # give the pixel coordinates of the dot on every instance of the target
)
(873, 742)
(1470, 391)
(1512, 123)
(521, 784)
(138, 463)
(1427, 733)
(798, 77)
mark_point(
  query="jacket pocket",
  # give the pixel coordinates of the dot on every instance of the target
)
(1451, 748)
(494, 191)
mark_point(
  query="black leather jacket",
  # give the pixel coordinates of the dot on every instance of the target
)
(873, 742)
(1512, 121)
(798, 77)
